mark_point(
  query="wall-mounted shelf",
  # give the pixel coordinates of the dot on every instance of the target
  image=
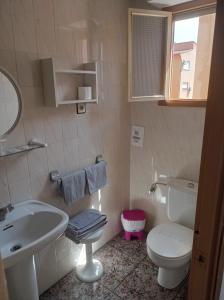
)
(76, 72)
(76, 101)
(33, 144)
(61, 85)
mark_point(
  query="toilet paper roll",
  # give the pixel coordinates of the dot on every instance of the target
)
(85, 92)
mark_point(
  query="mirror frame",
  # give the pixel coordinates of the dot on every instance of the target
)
(19, 96)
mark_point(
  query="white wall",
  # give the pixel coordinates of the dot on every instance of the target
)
(172, 147)
(73, 32)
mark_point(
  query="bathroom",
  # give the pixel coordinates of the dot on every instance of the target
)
(66, 138)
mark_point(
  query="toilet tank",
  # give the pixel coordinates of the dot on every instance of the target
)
(181, 202)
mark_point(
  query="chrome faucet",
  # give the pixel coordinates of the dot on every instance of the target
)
(4, 210)
(154, 186)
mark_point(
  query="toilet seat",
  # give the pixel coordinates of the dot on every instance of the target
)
(170, 241)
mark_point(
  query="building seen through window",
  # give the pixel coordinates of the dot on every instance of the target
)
(191, 57)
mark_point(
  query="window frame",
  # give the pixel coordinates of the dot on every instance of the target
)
(189, 10)
(187, 86)
(155, 13)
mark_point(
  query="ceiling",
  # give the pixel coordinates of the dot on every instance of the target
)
(165, 3)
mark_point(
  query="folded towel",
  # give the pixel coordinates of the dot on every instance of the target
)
(85, 218)
(79, 235)
(84, 224)
(96, 177)
(73, 186)
(84, 233)
(78, 238)
(91, 230)
(88, 227)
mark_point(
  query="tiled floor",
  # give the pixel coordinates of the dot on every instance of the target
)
(128, 274)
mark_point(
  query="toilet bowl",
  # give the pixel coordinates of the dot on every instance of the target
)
(169, 245)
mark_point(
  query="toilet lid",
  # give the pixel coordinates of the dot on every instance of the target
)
(170, 240)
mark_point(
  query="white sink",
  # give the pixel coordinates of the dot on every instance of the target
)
(29, 227)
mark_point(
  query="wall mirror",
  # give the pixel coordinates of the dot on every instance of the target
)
(10, 103)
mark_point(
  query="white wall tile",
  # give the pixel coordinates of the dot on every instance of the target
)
(38, 163)
(42, 189)
(55, 156)
(6, 32)
(17, 136)
(23, 25)
(71, 154)
(173, 142)
(5, 197)
(17, 168)
(28, 67)
(33, 123)
(69, 123)
(8, 62)
(52, 126)
(71, 31)
(45, 27)
(32, 98)
(20, 191)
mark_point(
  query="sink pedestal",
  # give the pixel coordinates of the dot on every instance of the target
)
(22, 280)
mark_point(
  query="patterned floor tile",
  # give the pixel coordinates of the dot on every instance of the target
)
(70, 288)
(134, 248)
(116, 266)
(142, 284)
(128, 274)
(182, 292)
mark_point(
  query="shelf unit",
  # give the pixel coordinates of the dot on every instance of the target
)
(32, 145)
(61, 85)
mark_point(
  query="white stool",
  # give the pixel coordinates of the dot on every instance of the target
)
(92, 270)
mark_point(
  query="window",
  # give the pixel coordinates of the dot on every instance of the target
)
(164, 69)
(185, 86)
(191, 56)
(186, 64)
(148, 56)
(186, 89)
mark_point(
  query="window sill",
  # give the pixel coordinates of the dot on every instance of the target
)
(183, 103)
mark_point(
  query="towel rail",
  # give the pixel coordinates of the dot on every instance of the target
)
(55, 176)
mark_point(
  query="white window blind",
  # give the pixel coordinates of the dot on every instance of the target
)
(148, 38)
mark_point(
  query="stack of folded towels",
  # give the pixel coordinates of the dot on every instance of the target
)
(84, 224)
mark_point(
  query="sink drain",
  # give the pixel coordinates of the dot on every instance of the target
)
(15, 248)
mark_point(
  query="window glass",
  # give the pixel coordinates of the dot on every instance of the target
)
(191, 57)
(186, 65)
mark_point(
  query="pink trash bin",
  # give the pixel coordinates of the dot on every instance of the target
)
(133, 222)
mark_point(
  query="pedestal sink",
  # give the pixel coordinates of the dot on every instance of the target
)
(29, 227)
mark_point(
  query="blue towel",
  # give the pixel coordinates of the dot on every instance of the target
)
(85, 218)
(84, 224)
(88, 227)
(73, 186)
(96, 177)
(78, 238)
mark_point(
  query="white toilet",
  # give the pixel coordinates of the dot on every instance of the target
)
(169, 245)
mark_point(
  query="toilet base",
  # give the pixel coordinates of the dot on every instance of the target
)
(171, 278)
